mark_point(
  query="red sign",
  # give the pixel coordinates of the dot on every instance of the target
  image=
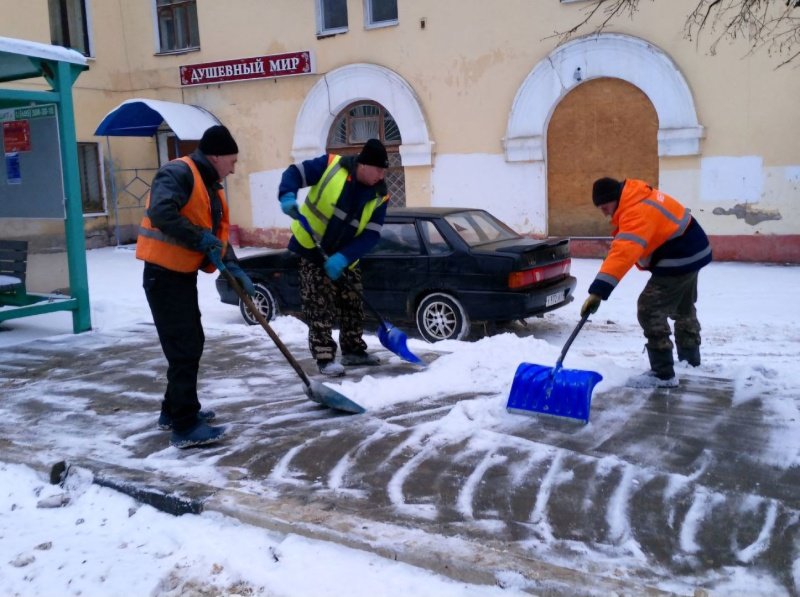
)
(246, 69)
(16, 136)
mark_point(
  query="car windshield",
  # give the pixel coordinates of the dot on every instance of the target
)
(479, 227)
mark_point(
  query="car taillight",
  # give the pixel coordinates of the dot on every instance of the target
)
(529, 277)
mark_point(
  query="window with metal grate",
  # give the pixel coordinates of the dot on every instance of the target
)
(360, 122)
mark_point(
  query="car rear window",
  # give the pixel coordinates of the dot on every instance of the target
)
(479, 228)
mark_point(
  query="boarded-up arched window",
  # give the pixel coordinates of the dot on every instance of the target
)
(603, 127)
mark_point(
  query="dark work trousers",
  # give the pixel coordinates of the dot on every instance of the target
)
(670, 297)
(172, 297)
(325, 302)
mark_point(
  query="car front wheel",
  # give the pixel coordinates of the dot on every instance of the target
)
(441, 317)
(264, 302)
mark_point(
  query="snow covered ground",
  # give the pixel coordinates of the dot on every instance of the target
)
(93, 545)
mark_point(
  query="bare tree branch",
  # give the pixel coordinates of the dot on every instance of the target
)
(769, 25)
(610, 10)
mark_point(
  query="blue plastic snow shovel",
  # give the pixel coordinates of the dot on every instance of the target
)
(553, 390)
(317, 392)
(390, 336)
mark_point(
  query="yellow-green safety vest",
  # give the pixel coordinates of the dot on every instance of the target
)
(320, 205)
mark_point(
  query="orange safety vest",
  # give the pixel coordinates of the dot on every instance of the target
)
(645, 219)
(154, 246)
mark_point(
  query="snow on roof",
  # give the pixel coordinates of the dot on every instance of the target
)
(140, 117)
(22, 59)
(39, 50)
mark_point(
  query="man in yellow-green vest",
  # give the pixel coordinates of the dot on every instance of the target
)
(345, 209)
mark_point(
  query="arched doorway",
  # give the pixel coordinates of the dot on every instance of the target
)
(603, 127)
(361, 121)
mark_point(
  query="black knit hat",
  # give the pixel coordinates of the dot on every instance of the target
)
(373, 154)
(606, 190)
(217, 140)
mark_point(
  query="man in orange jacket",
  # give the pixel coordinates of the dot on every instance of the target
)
(656, 233)
(185, 229)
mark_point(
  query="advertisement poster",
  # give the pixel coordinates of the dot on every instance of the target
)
(13, 172)
(16, 136)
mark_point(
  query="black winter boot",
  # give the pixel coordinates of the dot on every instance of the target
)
(199, 435)
(689, 354)
(661, 363)
(661, 374)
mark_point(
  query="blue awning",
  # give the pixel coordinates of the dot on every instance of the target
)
(142, 118)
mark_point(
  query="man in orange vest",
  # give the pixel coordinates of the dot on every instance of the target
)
(656, 233)
(185, 229)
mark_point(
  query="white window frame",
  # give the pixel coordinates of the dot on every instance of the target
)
(87, 14)
(370, 23)
(157, 37)
(321, 30)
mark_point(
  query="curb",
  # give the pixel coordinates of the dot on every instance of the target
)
(486, 563)
(466, 561)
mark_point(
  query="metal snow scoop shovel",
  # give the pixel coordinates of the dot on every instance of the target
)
(314, 390)
(391, 337)
(553, 391)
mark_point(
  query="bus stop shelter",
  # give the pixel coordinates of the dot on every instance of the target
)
(29, 112)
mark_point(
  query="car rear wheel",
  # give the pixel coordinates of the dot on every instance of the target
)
(264, 302)
(441, 317)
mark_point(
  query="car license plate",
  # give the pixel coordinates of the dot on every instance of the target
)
(554, 299)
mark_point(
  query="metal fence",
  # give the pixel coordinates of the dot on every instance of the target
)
(130, 194)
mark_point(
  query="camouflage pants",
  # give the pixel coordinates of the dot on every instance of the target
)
(325, 302)
(670, 297)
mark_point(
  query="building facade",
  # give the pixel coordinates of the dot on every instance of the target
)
(478, 103)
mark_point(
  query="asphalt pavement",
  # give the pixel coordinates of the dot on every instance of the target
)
(661, 501)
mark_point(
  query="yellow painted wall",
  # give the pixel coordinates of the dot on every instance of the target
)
(466, 66)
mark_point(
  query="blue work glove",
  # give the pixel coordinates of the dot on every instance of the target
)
(244, 280)
(289, 204)
(590, 305)
(215, 256)
(211, 246)
(208, 242)
(334, 265)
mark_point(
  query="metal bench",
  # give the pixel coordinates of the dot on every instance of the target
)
(13, 267)
(15, 300)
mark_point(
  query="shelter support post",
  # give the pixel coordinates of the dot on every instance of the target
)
(73, 224)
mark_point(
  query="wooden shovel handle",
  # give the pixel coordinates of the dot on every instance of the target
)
(263, 321)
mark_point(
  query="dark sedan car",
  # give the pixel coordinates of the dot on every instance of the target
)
(441, 268)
